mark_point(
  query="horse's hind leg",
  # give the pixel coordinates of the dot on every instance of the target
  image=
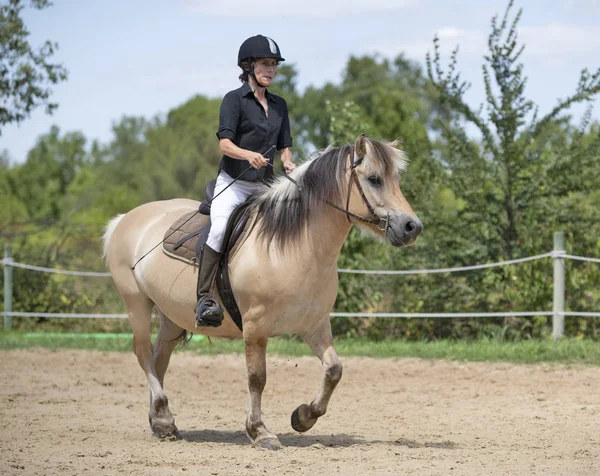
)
(139, 309)
(321, 342)
(168, 337)
(161, 419)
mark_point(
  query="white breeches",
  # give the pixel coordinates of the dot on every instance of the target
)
(222, 206)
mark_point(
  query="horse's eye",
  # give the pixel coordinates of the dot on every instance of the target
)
(374, 180)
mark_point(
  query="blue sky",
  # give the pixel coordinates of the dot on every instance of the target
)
(142, 58)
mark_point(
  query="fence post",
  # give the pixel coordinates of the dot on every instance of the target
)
(8, 270)
(558, 319)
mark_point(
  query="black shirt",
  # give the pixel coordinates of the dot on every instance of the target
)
(243, 120)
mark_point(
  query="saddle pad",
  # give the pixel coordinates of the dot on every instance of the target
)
(181, 239)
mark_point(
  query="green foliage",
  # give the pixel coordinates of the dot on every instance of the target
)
(519, 183)
(482, 199)
(25, 72)
(63, 196)
(510, 161)
(51, 166)
(12, 209)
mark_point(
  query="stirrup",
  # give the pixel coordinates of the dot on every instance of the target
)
(208, 313)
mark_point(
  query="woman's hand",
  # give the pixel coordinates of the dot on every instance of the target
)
(289, 166)
(256, 160)
(286, 160)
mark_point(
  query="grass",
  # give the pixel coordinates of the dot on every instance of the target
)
(567, 351)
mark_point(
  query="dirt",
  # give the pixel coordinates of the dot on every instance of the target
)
(78, 412)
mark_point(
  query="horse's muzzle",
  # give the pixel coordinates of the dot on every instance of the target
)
(403, 229)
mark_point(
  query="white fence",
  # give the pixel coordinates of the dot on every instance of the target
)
(558, 312)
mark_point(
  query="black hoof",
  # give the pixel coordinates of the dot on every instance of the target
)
(297, 423)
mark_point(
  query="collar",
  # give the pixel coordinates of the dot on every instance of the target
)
(246, 89)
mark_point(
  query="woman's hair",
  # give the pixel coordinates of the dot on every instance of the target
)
(246, 66)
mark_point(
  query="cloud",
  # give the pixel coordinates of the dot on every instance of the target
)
(581, 4)
(552, 44)
(306, 8)
(556, 43)
(470, 42)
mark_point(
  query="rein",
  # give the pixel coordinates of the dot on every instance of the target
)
(208, 203)
(373, 220)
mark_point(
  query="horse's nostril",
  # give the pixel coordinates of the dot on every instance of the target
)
(410, 226)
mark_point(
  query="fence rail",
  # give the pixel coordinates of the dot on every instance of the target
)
(558, 312)
(447, 270)
(335, 314)
(14, 264)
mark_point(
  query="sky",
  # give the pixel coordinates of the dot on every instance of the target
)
(145, 57)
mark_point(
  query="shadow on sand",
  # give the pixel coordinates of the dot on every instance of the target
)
(306, 440)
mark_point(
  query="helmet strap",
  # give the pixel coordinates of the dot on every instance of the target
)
(256, 82)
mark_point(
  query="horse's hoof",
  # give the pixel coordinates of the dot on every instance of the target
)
(166, 433)
(299, 421)
(268, 443)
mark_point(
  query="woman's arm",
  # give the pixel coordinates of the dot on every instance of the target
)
(255, 159)
(286, 158)
(284, 141)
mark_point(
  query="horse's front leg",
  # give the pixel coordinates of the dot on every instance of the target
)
(256, 363)
(321, 342)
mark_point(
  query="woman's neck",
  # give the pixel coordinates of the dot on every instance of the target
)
(257, 89)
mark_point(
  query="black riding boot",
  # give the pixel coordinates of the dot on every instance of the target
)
(208, 311)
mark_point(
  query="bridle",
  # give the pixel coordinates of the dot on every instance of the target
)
(374, 219)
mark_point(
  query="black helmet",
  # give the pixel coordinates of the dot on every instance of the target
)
(259, 46)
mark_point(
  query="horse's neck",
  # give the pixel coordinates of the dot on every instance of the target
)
(325, 235)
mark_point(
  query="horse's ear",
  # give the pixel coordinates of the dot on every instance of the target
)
(397, 141)
(360, 145)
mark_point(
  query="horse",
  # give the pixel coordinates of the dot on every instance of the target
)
(283, 271)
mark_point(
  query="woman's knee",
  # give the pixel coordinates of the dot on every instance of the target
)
(217, 233)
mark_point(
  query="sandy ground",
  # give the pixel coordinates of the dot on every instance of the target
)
(85, 413)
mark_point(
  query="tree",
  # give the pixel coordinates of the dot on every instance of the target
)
(25, 71)
(169, 156)
(12, 209)
(525, 177)
(498, 176)
(43, 180)
(384, 99)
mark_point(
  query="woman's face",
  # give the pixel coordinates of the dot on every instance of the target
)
(264, 70)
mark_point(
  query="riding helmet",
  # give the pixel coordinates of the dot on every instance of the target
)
(258, 46)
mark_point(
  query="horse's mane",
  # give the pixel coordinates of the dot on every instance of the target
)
(284, 209)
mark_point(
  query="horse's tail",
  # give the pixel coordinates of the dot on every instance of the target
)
(110, 228)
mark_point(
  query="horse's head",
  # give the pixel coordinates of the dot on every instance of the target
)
(361, 182)
(375, 200)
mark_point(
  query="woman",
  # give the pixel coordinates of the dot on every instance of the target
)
(251, 121)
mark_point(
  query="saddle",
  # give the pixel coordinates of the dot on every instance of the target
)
(186, 236)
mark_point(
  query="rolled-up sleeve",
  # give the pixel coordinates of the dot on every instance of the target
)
(284, 139)
(229, 116)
